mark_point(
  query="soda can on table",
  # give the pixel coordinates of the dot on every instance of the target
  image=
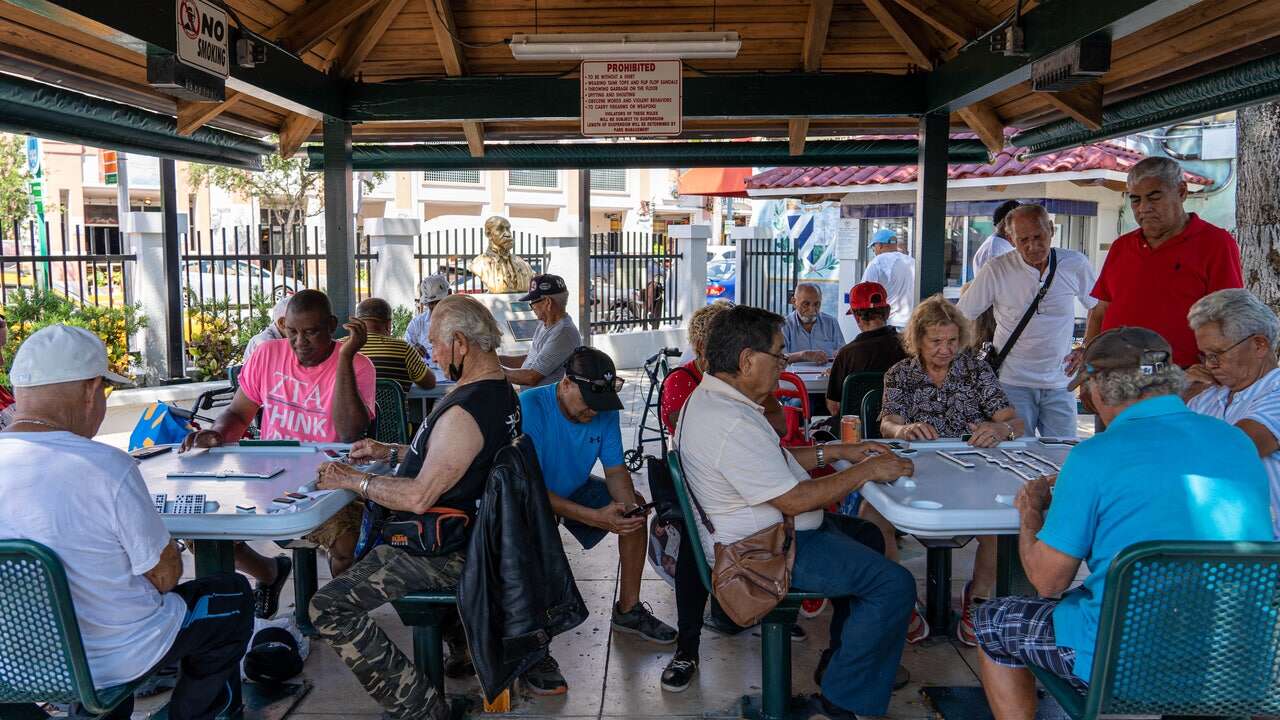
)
(850, 428)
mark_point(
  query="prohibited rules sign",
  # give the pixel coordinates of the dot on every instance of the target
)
(631, 97)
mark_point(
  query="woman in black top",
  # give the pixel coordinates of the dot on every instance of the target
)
(445, 467)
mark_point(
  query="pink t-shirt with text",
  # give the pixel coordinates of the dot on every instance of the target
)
(297, 401)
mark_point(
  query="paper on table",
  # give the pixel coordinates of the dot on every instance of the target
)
(224, 474)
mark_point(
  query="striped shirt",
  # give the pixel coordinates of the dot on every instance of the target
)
(1260, 402)
(394, 360)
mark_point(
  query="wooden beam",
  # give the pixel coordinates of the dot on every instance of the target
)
(475, 137)
(445, 29)
(315, 21)
(366, 37)
(982, 119)
(954, 25)
(798, 130)
(295, 130)
(815, 34)
(194, 115)
(904, 29)
(1084, 103)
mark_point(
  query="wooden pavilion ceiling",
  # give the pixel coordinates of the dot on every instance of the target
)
(388, 40)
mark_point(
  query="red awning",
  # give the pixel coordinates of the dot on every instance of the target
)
(723, 182)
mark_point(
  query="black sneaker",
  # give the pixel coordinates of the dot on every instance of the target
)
(162, 680)
(678, 673)
(544, 678)
(798, 634)
(724, 626)
(266, 598)
(639, 620)
(821, 708)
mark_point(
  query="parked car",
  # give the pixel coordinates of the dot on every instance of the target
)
(722, 279)
(235, 280)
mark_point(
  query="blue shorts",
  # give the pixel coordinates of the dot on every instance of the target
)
(594, 494)
(1018, 631)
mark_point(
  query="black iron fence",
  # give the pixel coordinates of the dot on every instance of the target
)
(82, 264)
(633, 282)
(767, 274)
(450, 252)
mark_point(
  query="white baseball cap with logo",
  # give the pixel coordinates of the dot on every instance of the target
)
(433, 288)
(59, 354)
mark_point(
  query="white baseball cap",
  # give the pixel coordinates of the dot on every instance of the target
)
(280, 307)
(433, 288)
(59, 354)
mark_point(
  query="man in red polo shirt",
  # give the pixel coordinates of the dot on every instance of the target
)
(1154, 274)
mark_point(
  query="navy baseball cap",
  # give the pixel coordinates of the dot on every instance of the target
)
(543, 285)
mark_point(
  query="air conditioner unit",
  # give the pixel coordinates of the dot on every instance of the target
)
(1081, 62)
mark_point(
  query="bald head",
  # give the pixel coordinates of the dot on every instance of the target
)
(376, 314)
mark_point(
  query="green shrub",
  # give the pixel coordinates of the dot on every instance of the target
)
(210, 337)
(29, 310)
(400, 318)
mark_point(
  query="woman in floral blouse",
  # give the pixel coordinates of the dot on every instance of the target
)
(944, 390)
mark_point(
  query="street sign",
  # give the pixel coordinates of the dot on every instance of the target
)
(631, 97)
(110, 169)
(33, 156)
(203, 37)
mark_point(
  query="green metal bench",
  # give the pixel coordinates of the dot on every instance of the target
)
(391, 424)
(41, 655)
(775, 629)
(871, 409)
(855, 388)
(1186, 628)
(425, 613)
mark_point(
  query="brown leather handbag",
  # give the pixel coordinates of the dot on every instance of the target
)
(751, 576)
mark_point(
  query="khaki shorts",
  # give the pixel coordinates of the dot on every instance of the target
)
(345, 522)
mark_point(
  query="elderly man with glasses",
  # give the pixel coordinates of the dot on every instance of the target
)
(573, 424)
(1237, 379)
(552, 342)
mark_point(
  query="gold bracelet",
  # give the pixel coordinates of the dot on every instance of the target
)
(364, 484)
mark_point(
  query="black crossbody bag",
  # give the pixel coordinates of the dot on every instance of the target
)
(995, 358)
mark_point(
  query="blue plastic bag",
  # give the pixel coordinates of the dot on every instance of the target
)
(158, 426)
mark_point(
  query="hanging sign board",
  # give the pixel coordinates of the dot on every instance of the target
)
(631, 97)
(203, 36)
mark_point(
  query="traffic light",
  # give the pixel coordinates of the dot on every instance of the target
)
(109, 170)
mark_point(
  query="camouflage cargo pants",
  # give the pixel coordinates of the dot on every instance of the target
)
(340, 612)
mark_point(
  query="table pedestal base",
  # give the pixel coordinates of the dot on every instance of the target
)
(937, 588)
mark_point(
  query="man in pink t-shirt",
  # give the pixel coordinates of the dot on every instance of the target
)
(312, 389)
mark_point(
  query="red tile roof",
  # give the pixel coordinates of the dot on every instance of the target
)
(1100, 156)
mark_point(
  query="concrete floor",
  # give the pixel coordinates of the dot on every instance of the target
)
(617, 676)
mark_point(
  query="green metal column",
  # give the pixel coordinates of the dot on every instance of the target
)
(172, 269)
(931, 205)
(339, 219)
(583, 318)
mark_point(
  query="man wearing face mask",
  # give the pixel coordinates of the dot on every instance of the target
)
(573, 424)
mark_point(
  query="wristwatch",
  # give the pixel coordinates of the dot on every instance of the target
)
(1012, 435)
(822, 456)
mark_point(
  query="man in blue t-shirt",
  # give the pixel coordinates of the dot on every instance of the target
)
(574, 423)
(1159, 472)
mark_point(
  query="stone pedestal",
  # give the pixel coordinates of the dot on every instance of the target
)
(394, 273)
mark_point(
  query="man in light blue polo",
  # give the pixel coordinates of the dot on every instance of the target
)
(574, 424)
(808, 334)
(1159, 472)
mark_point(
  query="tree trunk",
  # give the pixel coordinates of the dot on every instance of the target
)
(1258, 199)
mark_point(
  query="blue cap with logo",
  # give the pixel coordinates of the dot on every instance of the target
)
(884, 236)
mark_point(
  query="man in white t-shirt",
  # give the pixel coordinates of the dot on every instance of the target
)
(87, 502)
(746, 483)
(896, 271)
(1034, 372)
(996, 243)
(273, 331)
(431, 291)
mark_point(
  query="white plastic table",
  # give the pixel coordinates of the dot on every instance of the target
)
(221, 525)
(815, 375)
(944, 505)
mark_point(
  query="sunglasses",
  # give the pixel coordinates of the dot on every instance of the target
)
(599, 385)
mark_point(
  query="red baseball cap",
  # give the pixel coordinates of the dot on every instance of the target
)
(867, 296)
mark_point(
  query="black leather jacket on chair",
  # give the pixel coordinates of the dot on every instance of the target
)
(517, 591)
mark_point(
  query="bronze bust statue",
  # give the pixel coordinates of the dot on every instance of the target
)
(497, 268)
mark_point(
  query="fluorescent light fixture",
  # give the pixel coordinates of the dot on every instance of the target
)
(625, 46)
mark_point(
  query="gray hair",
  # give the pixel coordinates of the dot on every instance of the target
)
(1238, 313)
(1166, 169)
(807, 285)
(464, 314)
(1118, 387)
(1038, 211)
(561, 299)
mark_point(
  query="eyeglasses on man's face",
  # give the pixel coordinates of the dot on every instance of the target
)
(1214, 358)
(599, 385)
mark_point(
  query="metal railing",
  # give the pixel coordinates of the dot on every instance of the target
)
(633, 282)
(768, 274)
(450, 252)
(83, 265)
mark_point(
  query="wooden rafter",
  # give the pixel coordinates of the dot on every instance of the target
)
(904, 29)
(455, 62)
(366, 37)
(1083, 103)
(815, 34)
(315, 21)
(295, 130)
(193, 115)
(956, 26)
(982, 119)
(797, 131)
